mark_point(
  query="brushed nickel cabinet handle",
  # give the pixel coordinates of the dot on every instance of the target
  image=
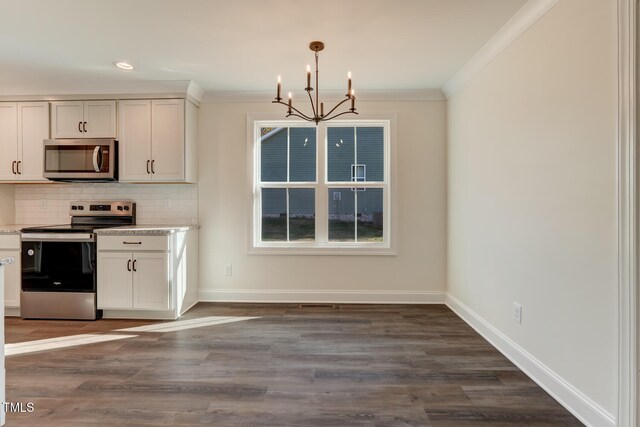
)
(148, 161)
(134, 265)
(13, 167)
(79, 126)
(153, 169)
(129, 265)
(84, 126)
(131, 243)
(18, 168)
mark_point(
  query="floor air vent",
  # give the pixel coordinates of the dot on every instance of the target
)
(321, 306)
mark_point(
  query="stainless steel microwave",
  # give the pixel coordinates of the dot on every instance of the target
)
(81, 160)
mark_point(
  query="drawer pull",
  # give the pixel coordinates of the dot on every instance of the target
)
(131, 243)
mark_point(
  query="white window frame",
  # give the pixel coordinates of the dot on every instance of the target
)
(322, 246)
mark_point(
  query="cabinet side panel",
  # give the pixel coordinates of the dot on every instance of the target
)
(191, 142)
(12, 278)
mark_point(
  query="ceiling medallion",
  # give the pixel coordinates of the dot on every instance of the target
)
(317, 107)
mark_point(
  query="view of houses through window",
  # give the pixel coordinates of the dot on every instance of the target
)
(321, 184)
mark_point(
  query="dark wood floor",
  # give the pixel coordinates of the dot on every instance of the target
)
(374, 365)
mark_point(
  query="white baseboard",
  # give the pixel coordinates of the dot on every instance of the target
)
(12, 312)
(567, 395)
(139, 314)
(345, 297)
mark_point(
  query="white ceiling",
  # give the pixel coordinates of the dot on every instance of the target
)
(242, 45)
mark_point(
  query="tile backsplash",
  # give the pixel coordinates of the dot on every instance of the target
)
(155, 203)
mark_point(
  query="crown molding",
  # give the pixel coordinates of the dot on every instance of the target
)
(328, 96)
(106, 90)
(524, 19)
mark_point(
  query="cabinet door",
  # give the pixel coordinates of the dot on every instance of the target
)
(66, 119)
(8, 140)
(151, 281)
(100, 118)
(115, 281)
(167, 136)
(134, 140)
(33, 129)
(12, 279)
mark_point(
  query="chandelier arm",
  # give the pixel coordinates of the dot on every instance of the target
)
(337, 115)
(337, 105)
(301, 114)
(309, 119)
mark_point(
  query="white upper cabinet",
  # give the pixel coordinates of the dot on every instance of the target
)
(154, 143)
(33, 129)
(8, 140)
(134, 140)
(23, 128)
(83, 119)
(167, 140)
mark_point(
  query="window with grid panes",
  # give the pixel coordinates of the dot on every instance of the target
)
(324, 187)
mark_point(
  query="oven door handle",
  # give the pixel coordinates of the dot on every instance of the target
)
(57, 237)
(97, 158)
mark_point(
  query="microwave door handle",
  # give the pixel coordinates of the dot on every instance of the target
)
(97, 158)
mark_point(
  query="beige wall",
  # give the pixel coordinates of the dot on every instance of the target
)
(7, 204)
(417, 270)
(532, 206)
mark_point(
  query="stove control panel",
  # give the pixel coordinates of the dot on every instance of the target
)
(97, 208)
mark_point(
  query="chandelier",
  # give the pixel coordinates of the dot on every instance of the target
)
(317, 108)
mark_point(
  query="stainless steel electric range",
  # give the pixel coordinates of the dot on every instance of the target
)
(59, 262)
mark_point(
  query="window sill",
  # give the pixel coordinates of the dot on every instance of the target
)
(335, 250)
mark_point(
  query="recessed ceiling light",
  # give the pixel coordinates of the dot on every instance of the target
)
(123, 65)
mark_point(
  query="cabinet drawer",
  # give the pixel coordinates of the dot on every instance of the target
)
(133, 243)
(10, 241)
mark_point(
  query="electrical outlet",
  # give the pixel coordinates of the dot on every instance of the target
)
(43, 203)
(228, 270)
(517, 312)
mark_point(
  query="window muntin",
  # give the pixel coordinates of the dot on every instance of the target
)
(318, 203)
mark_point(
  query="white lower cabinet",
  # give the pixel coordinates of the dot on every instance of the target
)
(10, 247)
(147, 276)
(133, 280)
(151, 281)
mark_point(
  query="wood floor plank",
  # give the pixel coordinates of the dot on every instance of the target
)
(292, 365)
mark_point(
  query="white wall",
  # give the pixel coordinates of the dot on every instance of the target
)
(412, 276)
(531, 194)
(7, 206)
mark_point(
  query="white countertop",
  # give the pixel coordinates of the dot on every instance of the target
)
(5, 261)
(146, 229)
(127, 229)
(12, 228)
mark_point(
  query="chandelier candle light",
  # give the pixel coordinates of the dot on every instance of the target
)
(318, 113)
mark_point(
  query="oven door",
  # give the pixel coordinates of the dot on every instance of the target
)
(54, 262)
(80, 159)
